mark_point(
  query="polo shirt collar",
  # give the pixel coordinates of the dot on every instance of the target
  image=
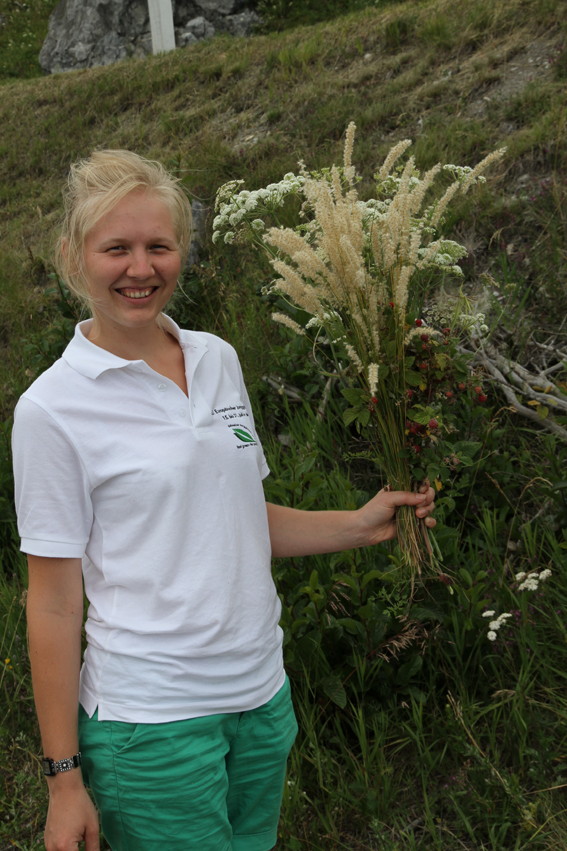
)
(91, 361)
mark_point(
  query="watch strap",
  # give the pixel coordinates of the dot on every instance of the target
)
(52, 767)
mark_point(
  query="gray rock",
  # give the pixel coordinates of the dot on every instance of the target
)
(96, 32)
(186, 39)
(84, 33)
(199, 28)
(185, 10)
(242, 24)
(220, 7)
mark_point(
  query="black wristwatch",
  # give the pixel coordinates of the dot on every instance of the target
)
(51, 767)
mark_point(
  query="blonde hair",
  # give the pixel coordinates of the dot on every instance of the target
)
(94, 187)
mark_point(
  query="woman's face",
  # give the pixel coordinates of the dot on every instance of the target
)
(132, 263)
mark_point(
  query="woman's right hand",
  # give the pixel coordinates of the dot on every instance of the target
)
(71, 816)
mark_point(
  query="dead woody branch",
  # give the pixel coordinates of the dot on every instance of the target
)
(532, 394)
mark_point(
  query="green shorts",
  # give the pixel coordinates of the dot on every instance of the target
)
(205, 784)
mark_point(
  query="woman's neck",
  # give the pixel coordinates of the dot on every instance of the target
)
(147, 343)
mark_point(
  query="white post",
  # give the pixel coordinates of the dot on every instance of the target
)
(161, 25)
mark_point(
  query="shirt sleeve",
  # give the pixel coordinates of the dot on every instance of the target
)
(52, 488)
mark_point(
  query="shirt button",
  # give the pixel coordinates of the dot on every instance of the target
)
(162, 387)
(182, 412)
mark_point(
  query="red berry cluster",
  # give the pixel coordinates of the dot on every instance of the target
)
(417, 433)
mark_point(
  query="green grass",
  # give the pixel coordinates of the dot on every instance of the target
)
(415, 733)
(22, 31)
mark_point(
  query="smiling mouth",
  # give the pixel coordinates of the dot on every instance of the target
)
(136, 294)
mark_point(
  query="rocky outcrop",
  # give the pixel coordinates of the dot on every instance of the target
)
(84, 33)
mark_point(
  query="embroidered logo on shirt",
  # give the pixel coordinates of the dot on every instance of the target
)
(242, 433)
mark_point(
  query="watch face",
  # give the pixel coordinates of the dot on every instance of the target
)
(48, 767)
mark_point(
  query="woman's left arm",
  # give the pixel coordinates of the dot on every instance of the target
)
(298, 533)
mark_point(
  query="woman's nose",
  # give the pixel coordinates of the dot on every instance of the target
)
(140, 265)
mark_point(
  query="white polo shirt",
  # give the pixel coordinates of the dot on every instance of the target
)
(161, 496)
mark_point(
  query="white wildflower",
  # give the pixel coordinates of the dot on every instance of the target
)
(229, 237)
(495, 624)
(545, 574)
(491, 636)
(258, 224)
(314, 322)
(373, 378)
(354, 357)
(488, 614)
(529, 584)
(519, 576)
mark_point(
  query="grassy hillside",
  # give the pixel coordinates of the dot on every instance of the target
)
(440, 740)
(458, 78)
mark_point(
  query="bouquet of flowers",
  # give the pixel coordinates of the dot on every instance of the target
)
(355, 275)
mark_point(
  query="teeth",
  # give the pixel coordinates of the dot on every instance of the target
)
(137, 293)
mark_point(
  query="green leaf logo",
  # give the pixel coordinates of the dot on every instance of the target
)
(244, 436)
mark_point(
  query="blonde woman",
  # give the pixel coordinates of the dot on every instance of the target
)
(139, 471)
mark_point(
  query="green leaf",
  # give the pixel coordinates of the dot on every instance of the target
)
(416, 693)
(467, 447)
(354, 396)
(409, 362)
(542, 412)
(391, 349)
(350, 415)
(368, 577)
(421, 415)
(364, 417)
(421, 613)
(333, 688)
(412, 378)
(463, 572)
(409, 670)
(352, 626)
(366, 611)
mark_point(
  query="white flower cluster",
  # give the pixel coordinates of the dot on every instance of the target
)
(461, 172)
(495, 625)
(326, 318)
(392, 182)
(531, 582)
(234, 209)
(471, 320)
(445, 257)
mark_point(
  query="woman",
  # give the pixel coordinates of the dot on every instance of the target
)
(138, 467)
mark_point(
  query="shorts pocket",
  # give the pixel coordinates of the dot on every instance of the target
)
(123, 735)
